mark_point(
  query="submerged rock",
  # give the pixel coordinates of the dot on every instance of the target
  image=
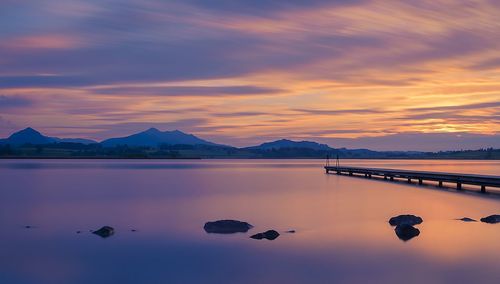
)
(290, 231)
(467, 219)
(104, 232)
(405, 220)
(28, 227)
(227, 227)
(269, 235)
(492, 219)
(406, 232)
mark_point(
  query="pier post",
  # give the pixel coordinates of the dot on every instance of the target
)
(338, 172)
(409, 180)
(369, 176)
(420, 181)
(385, 177)
(483, 188)
(440, 184)
(459, 186)
(350, 173)
(392, 178)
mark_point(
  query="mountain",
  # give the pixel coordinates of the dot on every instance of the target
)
(285, 143)
(32, 136)
(154, 137)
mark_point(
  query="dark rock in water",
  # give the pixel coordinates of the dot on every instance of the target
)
(28, 227)
(406, 232)
(492, 219)
(78, 232)
(467, 219)
(290, 231)
(269, 235)
(405, 219)
(227, 227)
(133, 230)
(104, 232)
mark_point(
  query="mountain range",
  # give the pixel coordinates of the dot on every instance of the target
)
(150, 138)
(156, 144)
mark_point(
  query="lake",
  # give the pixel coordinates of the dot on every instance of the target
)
(341, 223)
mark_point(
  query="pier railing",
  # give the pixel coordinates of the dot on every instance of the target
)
(390, 174)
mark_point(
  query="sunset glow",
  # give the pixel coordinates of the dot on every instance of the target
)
(337, 72)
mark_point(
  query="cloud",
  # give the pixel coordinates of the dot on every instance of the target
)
(46, 80)
(11, 102)
(241, 114)
(474, 106)
(191, 91)
(50, 41)
(7, 127)
(338, 111)
(490, 63)
(418, 141)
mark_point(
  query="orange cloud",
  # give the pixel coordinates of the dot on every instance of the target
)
(50, 41)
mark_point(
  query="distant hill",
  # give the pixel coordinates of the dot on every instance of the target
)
(285, 143)
(32, 136)
(156, 144)
(154, 137)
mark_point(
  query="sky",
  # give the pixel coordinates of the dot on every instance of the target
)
(384, 75)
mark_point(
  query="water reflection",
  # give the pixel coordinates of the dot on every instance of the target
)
(341, 223)
(105, 232)
(406, 232)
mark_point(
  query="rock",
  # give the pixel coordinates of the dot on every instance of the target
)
(78, 232)
(492, 219)
(406, 232)
(28, 227)
(269, 235)
(104, 232)
(405, 219)
(467, 219)
(227, 227)
(290, 231)
(133, 230)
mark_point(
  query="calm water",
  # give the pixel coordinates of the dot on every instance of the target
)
(341, 222)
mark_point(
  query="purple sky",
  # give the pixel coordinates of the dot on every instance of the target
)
(388, 75)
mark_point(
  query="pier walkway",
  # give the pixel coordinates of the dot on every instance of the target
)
(482, 181)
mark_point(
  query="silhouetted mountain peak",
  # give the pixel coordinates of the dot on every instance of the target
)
(27, 131)
(152, 130)
(154, 137)
(33, 136)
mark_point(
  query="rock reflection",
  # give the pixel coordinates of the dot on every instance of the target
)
(406, 232)
(104, 232)
(404, 226)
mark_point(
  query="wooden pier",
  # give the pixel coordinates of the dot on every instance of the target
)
(482, 181)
